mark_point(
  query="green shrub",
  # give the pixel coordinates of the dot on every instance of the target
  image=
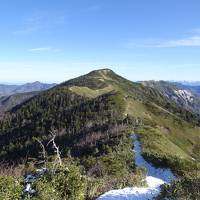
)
(159, 150)
(184, 189)
(11, 188)
(95, 187)
(66, 183)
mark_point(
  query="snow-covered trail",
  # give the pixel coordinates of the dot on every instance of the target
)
(155, 178)
(164, 174)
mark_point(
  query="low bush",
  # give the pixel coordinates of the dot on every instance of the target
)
(183, 189)
(11, 188)
(159, 150)
(66, 183)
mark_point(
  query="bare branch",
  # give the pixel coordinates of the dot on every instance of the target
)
(43, 152)
(56, 148)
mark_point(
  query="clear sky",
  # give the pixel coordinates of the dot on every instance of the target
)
(54, 40)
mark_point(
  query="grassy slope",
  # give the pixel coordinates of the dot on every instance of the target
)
(167, 135)
(167, 139)
(178, 131)
(87, 92)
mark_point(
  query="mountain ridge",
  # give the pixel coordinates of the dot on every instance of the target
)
(6, 90)
(93, 117)
(98, 81)
(182, 95)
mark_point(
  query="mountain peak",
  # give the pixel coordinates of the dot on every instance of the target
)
(104, 71)
(37, 82)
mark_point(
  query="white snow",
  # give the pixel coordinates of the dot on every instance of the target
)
(30, 179)
(185, 94)
(41, 171)
(155, 178)
(161, 173)
(29, 189)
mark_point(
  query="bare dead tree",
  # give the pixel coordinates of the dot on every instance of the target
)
(58, 160)
(42, 153)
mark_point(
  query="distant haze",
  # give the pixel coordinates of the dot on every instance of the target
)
(28, 87)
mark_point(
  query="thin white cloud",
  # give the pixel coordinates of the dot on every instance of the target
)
(40, 49)
(40, 21)
(193, 41)
(43, 49)
(30, 25)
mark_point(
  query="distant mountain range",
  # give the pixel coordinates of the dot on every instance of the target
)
(6, 90)
(183, 95)
(189, 83)
(9, 102)
(13, 95)
(193, 86)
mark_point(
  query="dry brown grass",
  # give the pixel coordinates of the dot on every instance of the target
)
(10, 170)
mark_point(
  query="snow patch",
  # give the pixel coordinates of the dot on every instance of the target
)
(31, 178)
(29, 189)
(164, 174)
(155, 178)
(185, 94)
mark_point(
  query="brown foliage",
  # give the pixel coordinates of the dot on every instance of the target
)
(10, 170)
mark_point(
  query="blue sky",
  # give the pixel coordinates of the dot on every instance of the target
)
(54, 40)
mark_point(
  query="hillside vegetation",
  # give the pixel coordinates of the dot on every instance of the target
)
(93, 117)
(7, 103)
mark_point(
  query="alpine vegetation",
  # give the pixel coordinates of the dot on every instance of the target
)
(75, 141)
